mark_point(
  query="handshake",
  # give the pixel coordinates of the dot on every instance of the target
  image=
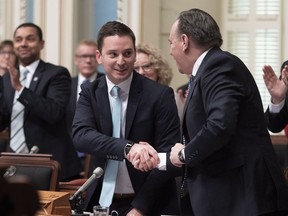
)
(145, 158)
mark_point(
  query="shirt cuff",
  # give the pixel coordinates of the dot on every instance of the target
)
(276, 108)
(162, 164)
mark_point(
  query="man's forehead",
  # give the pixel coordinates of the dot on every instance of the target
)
(114, 43)
(25, 31)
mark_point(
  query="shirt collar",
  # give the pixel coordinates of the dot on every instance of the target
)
(124, 86)
(81, 78)
(32, 67)
(198, 62)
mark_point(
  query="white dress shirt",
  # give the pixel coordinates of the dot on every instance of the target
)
(123, 181)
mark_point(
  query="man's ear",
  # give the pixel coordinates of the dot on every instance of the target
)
(185, 42)
(98, 57)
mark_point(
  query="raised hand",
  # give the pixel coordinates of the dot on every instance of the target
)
(15, 77)
(275, 86)
(3, 64)
(284, 74)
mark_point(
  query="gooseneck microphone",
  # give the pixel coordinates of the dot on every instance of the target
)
(34, 150)
(97, 173)
(76, 200)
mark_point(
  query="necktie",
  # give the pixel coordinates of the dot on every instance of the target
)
(111, 170)
(191, 79)
(183, 188)
(17, 137)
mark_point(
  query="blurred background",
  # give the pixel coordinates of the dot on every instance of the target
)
(254, 30)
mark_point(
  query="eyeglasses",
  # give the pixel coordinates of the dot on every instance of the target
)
(146, 67)
(83, 57)
(7, 53)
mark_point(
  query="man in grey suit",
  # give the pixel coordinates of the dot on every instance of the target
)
(230, 167)
(44, 98)
(149, 118)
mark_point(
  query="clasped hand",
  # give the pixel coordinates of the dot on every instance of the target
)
(143, 156)
(174, 154)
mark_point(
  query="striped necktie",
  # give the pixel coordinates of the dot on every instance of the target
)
(17, 137)
(191, 79)
(111, 170)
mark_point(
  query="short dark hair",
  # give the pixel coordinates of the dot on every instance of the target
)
(112, 28)
(38, 29)
(200, 27)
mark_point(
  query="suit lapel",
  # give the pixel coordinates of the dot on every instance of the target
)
(135, 93)
(103, 106)
(196, 80)
(74, 90)
(37, 76)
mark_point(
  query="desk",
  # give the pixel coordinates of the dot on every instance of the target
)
(54, 203)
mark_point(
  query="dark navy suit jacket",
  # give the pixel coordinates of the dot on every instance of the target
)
(45, 104)
(151, 116)
(231, 166)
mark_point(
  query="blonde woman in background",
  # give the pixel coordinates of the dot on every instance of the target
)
(7, 55)
(150, 63)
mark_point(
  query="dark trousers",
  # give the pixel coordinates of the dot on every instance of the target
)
(121, 206)
(280, 213)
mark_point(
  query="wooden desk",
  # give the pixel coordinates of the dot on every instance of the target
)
(54, 203)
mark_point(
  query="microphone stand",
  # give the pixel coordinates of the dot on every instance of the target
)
(77, 201)
(77, 204)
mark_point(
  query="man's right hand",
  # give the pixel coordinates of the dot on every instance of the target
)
(15, 77)
(275, 86)
(143, 156)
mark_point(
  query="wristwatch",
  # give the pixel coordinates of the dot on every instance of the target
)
(181, 156)
(128, 147)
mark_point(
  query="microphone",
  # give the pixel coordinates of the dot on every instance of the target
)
(97, 173)
(34, 150)
(10, 171)
(76, 201)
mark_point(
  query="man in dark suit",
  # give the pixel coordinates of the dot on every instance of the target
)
(229, 164)
(44, 98)
(86, 63)
(276, 113)
(149, 118)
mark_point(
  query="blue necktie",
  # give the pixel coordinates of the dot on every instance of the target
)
(111, 170)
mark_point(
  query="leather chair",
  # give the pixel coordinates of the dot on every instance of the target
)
(40, 169)
(73, 185)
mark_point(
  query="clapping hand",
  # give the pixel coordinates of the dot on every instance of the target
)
(276, 87)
